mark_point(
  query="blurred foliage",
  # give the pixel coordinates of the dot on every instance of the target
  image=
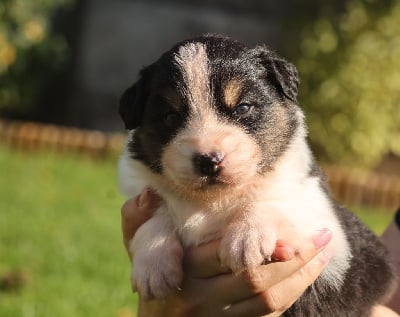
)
(29, 51)
(349, 65)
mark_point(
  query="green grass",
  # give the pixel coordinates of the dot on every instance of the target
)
(60, 231)
(376, 219)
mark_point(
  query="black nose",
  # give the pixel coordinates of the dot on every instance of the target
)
(208, 164)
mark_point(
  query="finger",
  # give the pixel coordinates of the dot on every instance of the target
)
(379, 311)
(203, 261)
(249, 283)
(278, 298)
(283, 251)
(137, 211)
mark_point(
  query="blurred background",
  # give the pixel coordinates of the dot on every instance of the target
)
(63, 67)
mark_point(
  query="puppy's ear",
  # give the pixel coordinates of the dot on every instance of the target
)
(132, 103)
(282, 74)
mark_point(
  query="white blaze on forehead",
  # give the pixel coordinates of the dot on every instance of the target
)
(194, 64)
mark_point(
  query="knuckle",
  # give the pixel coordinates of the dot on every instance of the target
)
(217, 256)
(311, 270)
(126, 209)
(254, 280)
(305, 271)
(272, 301)
(301, 258)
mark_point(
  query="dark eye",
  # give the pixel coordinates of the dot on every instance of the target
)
(172, 119)
(242, 108)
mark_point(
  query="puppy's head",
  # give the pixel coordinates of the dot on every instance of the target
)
(212, 113)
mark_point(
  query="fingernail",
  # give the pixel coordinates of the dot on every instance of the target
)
(322, 238)
(143, 197)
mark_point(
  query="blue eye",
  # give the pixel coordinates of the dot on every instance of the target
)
(242, 108)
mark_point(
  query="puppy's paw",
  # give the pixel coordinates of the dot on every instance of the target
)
(157, 273)
(246, 245)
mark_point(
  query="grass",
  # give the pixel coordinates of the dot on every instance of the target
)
(60, 236)
(376, 219)
(60, 233)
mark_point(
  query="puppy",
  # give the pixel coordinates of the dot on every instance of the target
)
(215, 130)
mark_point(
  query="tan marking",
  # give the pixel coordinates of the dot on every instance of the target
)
(232, 93)
(193, 61)
(204, 132)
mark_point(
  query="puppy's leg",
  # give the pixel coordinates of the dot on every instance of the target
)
(251, 239)
(156, 257)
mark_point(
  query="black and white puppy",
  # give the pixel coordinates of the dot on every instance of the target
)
(216, 131)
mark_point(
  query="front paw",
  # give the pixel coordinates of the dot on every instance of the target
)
(245, 246)
(157, 274)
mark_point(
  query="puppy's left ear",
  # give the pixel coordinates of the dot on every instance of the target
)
(131, 106)
(133, 101)
(280, 73)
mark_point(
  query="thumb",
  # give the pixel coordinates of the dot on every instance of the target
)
(137, 211)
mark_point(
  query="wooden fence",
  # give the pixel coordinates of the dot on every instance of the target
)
(34, 136)
(350, 188)
(364, 189)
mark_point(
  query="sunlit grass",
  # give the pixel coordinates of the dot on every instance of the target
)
(60, 231)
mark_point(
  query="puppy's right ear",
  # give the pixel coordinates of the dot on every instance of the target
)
(132, 103)
(282, 74)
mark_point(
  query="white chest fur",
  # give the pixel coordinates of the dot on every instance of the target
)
(290, 204)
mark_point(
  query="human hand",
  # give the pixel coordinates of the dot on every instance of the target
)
(135, 212)
(383, 311)
(209, 290)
